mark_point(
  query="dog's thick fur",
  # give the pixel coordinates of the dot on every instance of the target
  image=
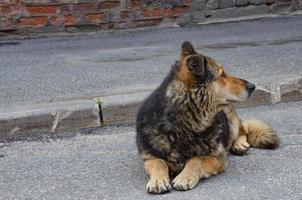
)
(186, 127)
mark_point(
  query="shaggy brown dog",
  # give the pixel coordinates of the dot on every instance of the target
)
(186, 127)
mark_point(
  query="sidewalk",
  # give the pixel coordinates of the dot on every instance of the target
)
(47, 80)
(103, 164)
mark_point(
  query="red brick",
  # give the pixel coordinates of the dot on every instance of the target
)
(54, 20)
(188, 2)
(125, 14)
(5, 9)
(33, 21)
(95, 18)
(156, 12)
(32, 10)
(181, 10)
(69, 20)
(147, 13)
(168, 12)
(82, 7)
(109, 4)
(136, 4)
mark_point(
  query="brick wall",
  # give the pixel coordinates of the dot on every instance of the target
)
(61, 15)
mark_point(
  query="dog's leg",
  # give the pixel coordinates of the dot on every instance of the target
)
(158, 171)
(241, 146)
(238, 131)
(197, 168)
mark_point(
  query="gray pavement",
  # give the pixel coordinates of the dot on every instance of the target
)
(60, 68)
(103, 164)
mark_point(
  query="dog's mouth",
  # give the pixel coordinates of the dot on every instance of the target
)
(249, 94)
(250, 87)
(228, 101)
(231, 101)
(241, 97)
(244, 95)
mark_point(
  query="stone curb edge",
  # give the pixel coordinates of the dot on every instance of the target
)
(247, 18)
(117, 109)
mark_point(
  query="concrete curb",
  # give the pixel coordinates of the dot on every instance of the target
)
(48, 116)
(118, 109)
(123, 108)
(239, 19)
(246, 18)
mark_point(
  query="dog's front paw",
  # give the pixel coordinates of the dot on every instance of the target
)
(158, 185)
(240, 147)
(185, 182)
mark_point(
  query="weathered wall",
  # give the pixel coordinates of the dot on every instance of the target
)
(205, 10)
(62, 15)
(59, 15)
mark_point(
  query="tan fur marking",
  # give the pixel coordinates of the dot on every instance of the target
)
(158, 172)
(220, 71)
(213, 165)
(196, 169)
(185, 75)
(227, 84)
(235, 85)
(261, 135)
(215, 66)
(232, 84)
(145, 156)
(230, 89)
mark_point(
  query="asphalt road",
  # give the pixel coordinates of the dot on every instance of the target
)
(88, 65)
(103, 164)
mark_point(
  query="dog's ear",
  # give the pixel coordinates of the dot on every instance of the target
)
(197, 65)
(187, 49)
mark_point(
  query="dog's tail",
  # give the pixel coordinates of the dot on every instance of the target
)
(261, 135)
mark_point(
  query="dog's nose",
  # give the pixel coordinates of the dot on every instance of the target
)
(251, 87)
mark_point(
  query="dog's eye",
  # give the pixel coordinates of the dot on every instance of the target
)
(195, 64)
(223, 75)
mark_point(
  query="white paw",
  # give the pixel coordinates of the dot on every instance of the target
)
(185, 182)
(160, 185)
(240, 148)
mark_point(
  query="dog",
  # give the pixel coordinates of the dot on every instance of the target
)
(187, 126)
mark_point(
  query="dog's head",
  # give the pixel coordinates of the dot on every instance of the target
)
(196, 69)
